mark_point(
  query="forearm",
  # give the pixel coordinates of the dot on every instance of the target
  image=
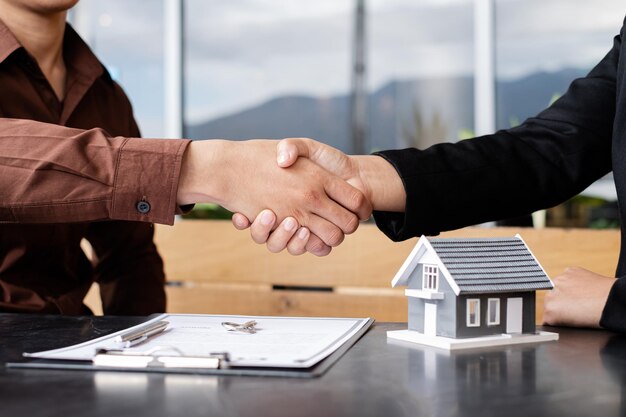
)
(55, 174)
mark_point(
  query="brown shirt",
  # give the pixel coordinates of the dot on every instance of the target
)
(72, 170)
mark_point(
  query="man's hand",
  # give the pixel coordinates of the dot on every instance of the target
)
(287, 234)
(371, 174)
(244, 177)
(264, 231)
(577, 299)
(374, 176)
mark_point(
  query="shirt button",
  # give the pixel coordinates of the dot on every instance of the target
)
(143, 207)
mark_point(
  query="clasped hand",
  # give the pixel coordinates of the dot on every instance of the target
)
(374, 177)
(313, 206)
(288, 232)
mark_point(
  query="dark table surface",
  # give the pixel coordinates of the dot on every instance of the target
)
(583, 374)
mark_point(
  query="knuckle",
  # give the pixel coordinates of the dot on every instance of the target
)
(312, 198)
(548, 312)
(317, 247)
(335, 237)
(323, 252)
(257, 238)
(301, 216)
(273, 247)
(295, 250)
(358, 200)
(548, 318)
(351, 225)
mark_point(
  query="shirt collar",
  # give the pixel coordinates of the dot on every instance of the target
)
(78, 56)
(8, 42)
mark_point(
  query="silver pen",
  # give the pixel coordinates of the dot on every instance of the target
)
(141, 334)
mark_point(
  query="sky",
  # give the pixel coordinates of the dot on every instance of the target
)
(240, 53)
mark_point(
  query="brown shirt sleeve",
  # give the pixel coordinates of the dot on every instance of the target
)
(55, 174)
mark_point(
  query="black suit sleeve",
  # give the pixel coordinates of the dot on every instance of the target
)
(541, 163)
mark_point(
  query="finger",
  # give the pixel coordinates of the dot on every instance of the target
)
(297, 244)
(317, 247)
(329, 158)
(328, 232)
(288, 151)
(326, 208)
(262, 226)
(280, 237)
(333, 161)
(349, 197)
(240, 221)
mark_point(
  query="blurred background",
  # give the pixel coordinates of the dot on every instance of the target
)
(360, 75)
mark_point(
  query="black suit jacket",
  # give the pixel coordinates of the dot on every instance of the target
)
(543, 162)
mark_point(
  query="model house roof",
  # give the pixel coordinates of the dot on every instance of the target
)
(481, 265)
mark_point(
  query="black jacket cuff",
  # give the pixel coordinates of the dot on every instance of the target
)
(614, 313)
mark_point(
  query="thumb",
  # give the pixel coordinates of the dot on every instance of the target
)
(288, 150)
(329, 158)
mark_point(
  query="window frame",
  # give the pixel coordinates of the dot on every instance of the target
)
(468, 315)
(497, 311)
(430, 276)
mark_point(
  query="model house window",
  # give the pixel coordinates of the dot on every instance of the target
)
(493, 311)
(473, 312)
(430, 277)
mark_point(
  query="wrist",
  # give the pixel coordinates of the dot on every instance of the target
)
(204, 174)
(382, 183)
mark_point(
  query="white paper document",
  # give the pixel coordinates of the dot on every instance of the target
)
(290, 342)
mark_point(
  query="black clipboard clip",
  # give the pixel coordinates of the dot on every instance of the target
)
(159, 357)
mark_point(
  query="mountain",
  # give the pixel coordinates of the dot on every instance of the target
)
(402, 113)
(527, 96)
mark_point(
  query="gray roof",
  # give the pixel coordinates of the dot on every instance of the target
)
(483, 265)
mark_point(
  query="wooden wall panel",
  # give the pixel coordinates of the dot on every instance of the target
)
(204, 251)
(218, 269)
(263, 300)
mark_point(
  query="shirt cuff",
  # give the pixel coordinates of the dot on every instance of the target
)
(403, 226)
(146, 180)
(614, 313)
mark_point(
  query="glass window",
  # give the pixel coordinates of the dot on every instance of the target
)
(276, 68)
(268, 69)
(493, 311)
(420, 55)
(430, 277)
(127, 37)
(473, 312)
(539, 51)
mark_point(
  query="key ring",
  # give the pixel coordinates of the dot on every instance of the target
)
(247, 327)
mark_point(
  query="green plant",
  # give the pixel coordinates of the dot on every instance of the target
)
(208, 211)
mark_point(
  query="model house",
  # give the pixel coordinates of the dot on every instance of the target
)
(471, 292)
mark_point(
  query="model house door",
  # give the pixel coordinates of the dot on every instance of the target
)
(430, 319)
(514, 315)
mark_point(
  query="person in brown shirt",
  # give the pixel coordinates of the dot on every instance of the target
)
(72, 167)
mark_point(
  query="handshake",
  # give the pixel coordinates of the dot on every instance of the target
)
(295, 193)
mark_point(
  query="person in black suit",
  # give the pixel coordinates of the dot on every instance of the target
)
(545, 161)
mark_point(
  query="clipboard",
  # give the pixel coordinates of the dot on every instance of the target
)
(212, 364)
